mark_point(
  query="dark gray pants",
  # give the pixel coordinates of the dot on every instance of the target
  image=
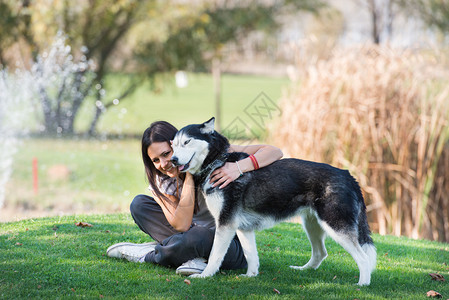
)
(175, 248)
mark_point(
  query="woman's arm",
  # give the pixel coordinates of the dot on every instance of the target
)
(180, 214)
(264, 154)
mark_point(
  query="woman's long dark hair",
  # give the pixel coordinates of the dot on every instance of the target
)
(159, 131)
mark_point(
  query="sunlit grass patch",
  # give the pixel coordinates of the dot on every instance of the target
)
(53, 258)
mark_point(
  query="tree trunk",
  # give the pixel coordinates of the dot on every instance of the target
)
(100, 109)
(374, 21)
(50, 121)
(93, 124)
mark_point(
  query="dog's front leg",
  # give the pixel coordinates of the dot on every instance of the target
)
(248, 241)
(222, 240)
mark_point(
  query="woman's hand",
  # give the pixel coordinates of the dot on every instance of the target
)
(179, 212)
(264, 154)
(225, 175)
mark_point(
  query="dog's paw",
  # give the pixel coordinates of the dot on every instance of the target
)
(363, 283)
(249, 274)
(300, 268)
(201, 275)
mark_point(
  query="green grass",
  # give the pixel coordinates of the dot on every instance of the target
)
(104, 176)
(52, 258)
(182, 106)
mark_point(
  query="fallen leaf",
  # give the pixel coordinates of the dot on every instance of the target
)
(437, 277)
(19, 244)
(186, 281)
(73, 290)
(107, 231)
(39, 286)
(83, 224)
(335, 277)
(433, 294)
(168, 280)
(101, 296)
(276, 291)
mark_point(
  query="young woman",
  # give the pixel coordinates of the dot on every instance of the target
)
(177, 217)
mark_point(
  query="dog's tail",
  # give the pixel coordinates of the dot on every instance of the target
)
(364, 232)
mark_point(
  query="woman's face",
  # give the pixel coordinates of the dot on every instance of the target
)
(160, 154)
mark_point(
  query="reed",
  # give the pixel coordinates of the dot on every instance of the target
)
(383, 114)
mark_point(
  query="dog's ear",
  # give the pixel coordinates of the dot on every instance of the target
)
(208, 126)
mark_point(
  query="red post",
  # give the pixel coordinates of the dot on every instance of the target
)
(35, 177)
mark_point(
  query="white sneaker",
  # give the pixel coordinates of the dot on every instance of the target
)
(193, 266)
(131, 252)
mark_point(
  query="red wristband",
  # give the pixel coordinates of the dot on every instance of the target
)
(254, 161)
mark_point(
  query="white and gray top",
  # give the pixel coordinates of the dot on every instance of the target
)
(167, 185)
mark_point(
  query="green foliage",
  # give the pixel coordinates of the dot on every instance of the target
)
(94, 29)
(434, 13)
(52, 258)
(193, 40)
(8, 28)
(99, 31)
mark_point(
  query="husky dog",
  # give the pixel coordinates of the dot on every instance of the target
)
(328, 199)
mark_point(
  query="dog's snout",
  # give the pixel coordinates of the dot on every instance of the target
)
(174, 160)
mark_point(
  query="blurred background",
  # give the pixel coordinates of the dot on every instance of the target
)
(360, 84)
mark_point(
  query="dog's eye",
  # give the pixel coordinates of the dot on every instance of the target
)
(186, 142)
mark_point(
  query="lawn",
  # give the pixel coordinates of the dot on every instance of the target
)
(52, 258)
(181, 106)
(103, 176)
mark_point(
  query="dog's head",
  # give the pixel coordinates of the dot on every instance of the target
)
(195, 144)
(191, 146)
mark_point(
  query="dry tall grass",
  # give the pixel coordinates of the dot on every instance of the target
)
(384, 115)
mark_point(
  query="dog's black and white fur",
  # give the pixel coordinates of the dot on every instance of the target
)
(328, 199)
